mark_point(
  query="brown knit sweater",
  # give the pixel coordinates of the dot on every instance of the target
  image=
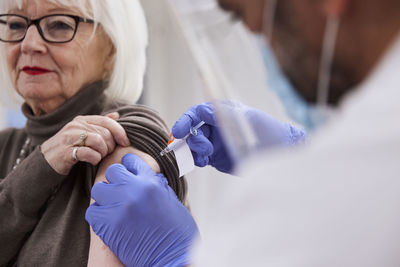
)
(42, 213)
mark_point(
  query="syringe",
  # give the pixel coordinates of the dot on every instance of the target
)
(178, 142)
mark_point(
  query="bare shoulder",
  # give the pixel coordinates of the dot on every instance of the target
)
(116, 157)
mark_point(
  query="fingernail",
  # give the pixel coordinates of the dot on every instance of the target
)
(127, 142)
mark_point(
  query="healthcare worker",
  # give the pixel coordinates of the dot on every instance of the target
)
(334, 201)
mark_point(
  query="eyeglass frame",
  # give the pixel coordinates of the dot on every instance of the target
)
(36, 22)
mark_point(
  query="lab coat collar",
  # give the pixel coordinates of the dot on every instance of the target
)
(383, 82)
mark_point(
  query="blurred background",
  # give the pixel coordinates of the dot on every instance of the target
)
(182, 33)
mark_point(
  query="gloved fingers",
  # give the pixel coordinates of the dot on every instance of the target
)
(203, 112)
(117, 174)
(206, 113)
(182, 126)
(192, 117)
(161, 179)
(206, 130)
(200, 144)
(96, 215)
(105, 194)
(164, 183)
(136, 165)
(200, 160)
(92, 216)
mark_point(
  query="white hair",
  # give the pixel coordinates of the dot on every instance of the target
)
(124, 23)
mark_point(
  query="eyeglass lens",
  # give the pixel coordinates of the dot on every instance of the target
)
(54, 28)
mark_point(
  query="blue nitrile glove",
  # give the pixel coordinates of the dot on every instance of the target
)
(139, 217)
(207, 146)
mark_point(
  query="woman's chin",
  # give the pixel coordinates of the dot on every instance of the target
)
(38, 91)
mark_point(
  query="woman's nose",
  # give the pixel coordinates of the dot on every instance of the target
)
(33, 42)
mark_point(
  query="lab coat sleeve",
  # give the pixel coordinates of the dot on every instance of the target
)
(23, 193)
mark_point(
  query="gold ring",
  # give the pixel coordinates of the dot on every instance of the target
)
(74, 156)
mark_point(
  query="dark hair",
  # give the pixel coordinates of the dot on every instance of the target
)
(148, 133)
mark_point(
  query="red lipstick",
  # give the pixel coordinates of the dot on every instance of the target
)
(34, 70)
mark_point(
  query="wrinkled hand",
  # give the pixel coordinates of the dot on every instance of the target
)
(102, 134)
(208, 147)
(139, 217)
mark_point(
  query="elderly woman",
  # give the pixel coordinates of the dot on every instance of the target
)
(70, 61)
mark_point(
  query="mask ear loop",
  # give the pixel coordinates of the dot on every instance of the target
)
(269, 18)
(328, 52)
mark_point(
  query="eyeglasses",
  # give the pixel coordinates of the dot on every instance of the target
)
(55, 28)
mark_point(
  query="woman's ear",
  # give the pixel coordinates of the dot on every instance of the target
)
(109, 56)
(109, 60)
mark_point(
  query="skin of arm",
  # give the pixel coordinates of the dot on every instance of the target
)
(99, 253)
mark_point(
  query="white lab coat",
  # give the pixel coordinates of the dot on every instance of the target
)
(334, 202)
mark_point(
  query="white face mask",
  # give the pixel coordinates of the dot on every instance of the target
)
(309, 116)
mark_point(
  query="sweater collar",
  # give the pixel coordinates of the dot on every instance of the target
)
(88, 101)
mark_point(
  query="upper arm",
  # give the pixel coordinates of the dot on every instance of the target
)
(147, 132)
(99, 253)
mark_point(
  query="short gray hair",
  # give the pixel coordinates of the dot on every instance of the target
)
(125, 24)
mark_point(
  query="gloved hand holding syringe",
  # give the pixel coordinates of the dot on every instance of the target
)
(174, 145)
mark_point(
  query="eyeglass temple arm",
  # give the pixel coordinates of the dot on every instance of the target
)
(86, 20)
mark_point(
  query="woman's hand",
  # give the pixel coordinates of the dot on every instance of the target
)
(86, 138)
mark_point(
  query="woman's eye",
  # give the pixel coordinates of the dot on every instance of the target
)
(16, 25)
(59, 25)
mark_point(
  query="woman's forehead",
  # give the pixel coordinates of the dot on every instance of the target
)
(41, 6)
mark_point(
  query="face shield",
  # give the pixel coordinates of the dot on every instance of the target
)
(230, 65)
